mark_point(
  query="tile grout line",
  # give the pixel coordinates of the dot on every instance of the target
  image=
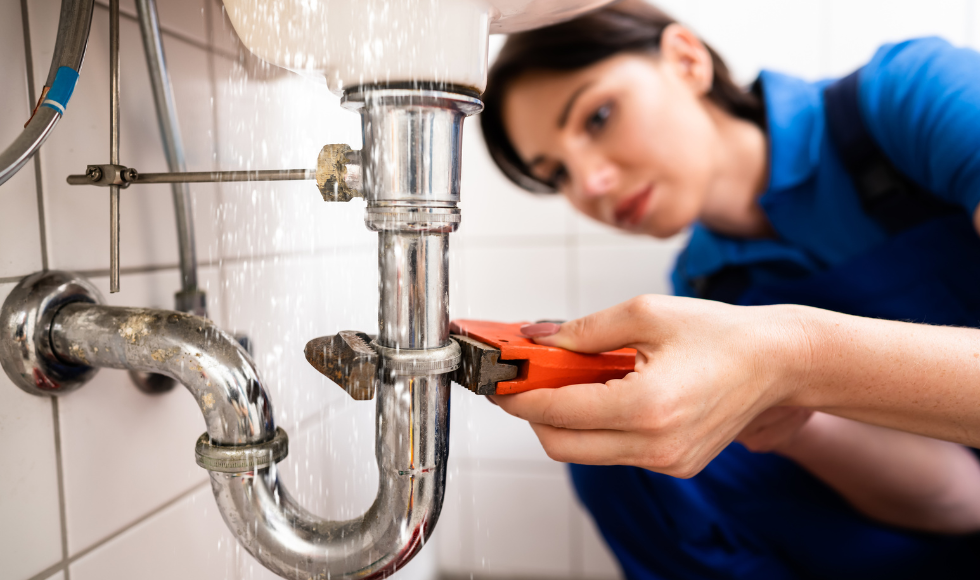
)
(212, 263)
(166, 31)
(62, 509)
(32, 100)
(213, 80)
(64, 564)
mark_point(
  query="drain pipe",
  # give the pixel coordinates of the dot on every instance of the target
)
(55, 334)
(69, 51)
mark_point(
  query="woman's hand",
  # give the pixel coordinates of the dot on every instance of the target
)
(704, 372)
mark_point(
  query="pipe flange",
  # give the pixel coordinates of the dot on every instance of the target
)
(414, 219)
(25, 332)
(241, 458)
(434, 361)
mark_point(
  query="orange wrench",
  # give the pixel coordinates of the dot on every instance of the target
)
(498, 360)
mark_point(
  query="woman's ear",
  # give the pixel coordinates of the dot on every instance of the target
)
(688, 57)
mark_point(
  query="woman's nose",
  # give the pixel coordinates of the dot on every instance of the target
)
(598, 179)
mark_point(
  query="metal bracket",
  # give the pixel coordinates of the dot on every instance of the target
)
(109, 174)
(353, 359)
(241, 458)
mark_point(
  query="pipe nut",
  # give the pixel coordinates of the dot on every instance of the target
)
(241, 458)
(338, 173)
(434, 361)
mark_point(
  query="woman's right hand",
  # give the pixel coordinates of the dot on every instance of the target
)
(704, 370)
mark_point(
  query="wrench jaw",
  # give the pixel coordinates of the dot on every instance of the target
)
(480, 368)
(350, 358)
(347, 359)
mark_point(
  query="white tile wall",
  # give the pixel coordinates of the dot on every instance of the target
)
(30, 539)
(18, 220)
(284, 267)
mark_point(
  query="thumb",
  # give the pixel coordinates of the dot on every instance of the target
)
(621, 326)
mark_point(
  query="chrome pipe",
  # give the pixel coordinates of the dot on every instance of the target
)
(114, 143)
(69, 52)
(190, 349)
(414, 282)
(411, 447)
(413, 212)
(190, 298)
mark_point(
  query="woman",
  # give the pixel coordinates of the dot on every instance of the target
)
(638, 123)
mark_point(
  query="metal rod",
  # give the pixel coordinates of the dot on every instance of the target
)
(224, 176)
(163, 97)
(114, 143)
(210, 176)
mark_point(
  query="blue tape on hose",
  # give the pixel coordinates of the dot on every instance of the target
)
(61, 89)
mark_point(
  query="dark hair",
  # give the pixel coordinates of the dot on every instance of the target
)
(626, 26)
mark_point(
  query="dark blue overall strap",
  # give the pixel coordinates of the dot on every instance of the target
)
(887, 195)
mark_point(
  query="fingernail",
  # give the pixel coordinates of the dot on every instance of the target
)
(540, 329)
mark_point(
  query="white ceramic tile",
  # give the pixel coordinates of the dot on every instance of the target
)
(452, 538)
(279, 123)
(187, 540)
(125, 452)
(481, 430)
(30, 539)
(858, 28)
(282, 303)
(43, 16)
(185, 17)
(773, 34)
(182, 17)
(20, 242)
(195, 112)
(223, 35)
(492, 206)
(521, 525)
(331, 468)
(78, 217)
(509, 282)
(596, 559)
(612, 273)
(332, 472)
(973, 24)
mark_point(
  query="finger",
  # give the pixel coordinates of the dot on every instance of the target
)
(616, 404)
(621, 326)
(604, 447)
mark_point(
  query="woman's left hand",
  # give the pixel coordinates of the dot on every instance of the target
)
(704, 371)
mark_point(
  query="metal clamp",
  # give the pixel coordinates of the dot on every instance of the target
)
(241, 458)
(412, 362)
(105, 175)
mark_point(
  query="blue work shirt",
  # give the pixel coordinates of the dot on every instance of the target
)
(920, 100)
(757, 515)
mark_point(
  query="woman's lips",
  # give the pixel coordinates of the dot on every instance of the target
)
(631, 211)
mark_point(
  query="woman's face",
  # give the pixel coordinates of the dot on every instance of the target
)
(629, 140)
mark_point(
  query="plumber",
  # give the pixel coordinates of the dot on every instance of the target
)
(820, 214)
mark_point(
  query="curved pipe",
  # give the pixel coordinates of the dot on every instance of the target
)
(190, 298)
(69, 51)
(411, 446)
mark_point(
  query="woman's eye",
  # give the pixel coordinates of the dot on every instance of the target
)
(597, 120)
(558, 177)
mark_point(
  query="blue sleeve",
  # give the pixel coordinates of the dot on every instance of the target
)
(921, 102)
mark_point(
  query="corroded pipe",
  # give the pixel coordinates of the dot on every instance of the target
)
(411, 447)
